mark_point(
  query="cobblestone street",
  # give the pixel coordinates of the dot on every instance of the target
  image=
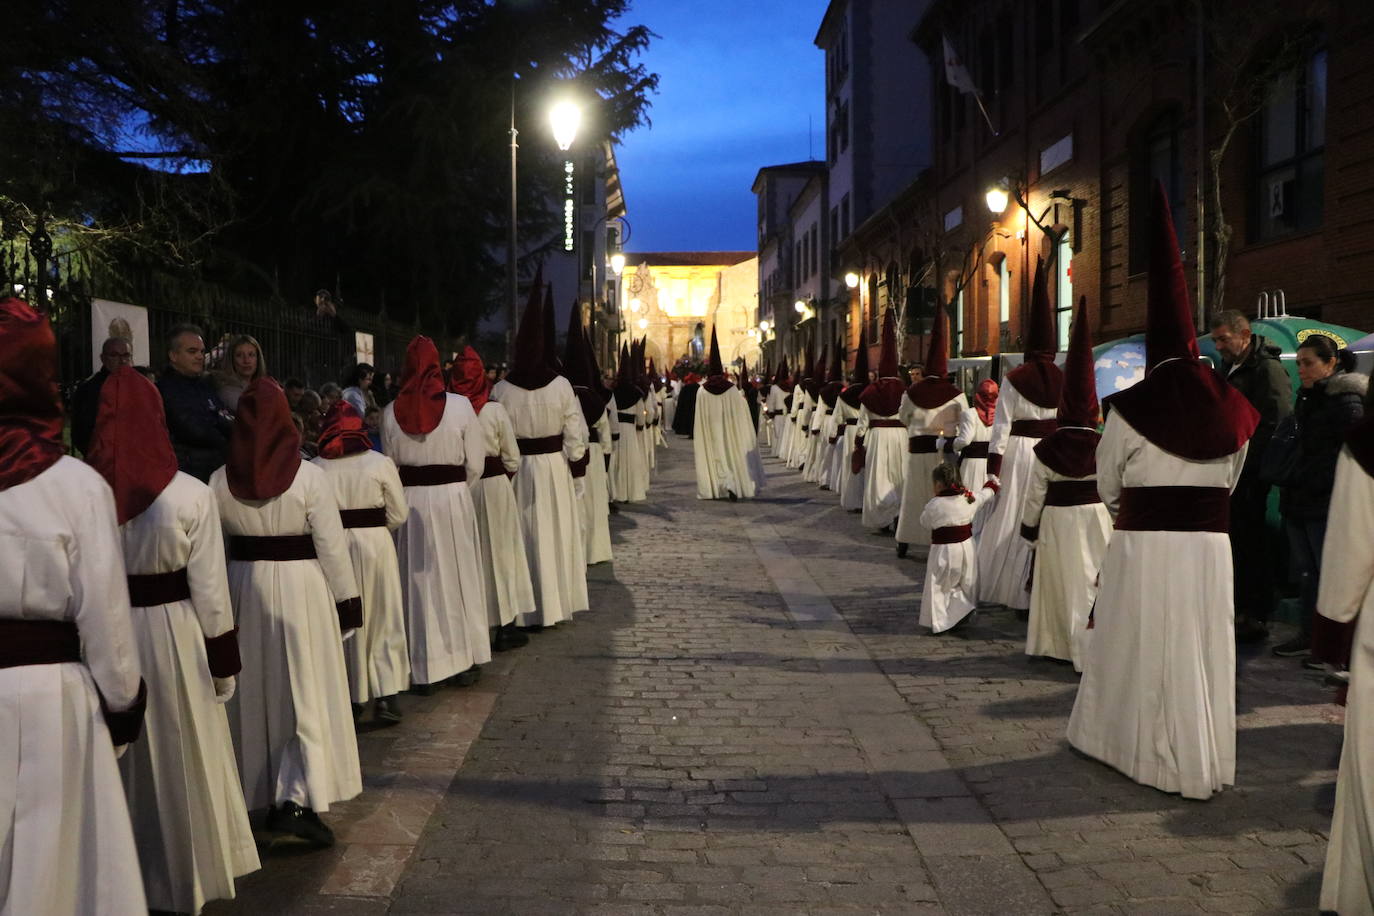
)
(750, 721)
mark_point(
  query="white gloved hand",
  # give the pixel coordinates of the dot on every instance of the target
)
(224, 688)
(119, 750)
(349, 634)
(579, 486)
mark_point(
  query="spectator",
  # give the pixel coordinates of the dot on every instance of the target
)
(245, 363)
(114, 353)
(294, 388)
(373, 421)
(357, 391)
(196, 418)
(1329, 403)
(311, 413)
(1251, 365)
(381, 389)
(329, 393)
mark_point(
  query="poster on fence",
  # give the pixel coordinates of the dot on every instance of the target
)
(363, 346)
(119, 319)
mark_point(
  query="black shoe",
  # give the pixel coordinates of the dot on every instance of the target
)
(533, 628)
(358, 710)
(1250, 632)
(1297, 647)
(467, 678)
(1023, 614)
(615, 510)
(289, 817)
(902, 548)
(730, 494)
(508, 637)
(387, 711)
(422, 690)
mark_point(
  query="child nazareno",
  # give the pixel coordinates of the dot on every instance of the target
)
(952, 567)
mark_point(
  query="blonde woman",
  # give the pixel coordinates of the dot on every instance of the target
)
(243, 362)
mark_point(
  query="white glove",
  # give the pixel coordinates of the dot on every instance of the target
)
(119, 750)
(349, 634)
(225, 687)
(579, 486)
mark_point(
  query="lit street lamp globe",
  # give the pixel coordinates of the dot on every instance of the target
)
(565, 117)
(617, 263)
(643, 323)
(851, 280)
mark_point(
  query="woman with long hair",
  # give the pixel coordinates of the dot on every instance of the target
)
(243, 362)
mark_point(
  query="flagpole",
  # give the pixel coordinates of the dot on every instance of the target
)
(978, 97)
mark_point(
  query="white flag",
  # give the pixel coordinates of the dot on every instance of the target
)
(956, 74)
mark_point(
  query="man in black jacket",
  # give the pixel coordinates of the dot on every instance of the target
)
(197, 420)
(114, 353)
(1251, 365)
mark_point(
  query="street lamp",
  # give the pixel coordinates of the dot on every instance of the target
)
(643, 323)
(800, 306)
(634, 305)
(764, 326)
(851, 280)
(565, 116)
(997, 198)
(617, 263)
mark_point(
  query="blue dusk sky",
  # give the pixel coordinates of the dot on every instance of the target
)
(738, 81)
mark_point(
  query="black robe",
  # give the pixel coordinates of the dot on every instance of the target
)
(684, 418)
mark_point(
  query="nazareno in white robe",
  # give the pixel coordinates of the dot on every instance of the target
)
(972, 471)
(776, 407)
(951, 569)
(1003, 555)
(1071, 543)
(884, 468)
(504, 564)
(942, 422)
(629, 475)
(66, 848)
(1158, 695)
(1347, 593)
(800, 451)
(843, 446)
(377, 658)
(550, 516)
(817, 448)
(596, 516)
(438, 546)
(725, 446)
(851, 484)
(646, 430)
(185, 802)
(291, 717)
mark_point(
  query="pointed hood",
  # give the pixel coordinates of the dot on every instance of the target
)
(468, 377)
(130, 446)
(837, 364)
(887, 357)
(1038, 379)
(30, 407)
(577, 367)
(1072, 449)
(716, 380)
(860, 374)
(781, 379)
(1169, 332)
(834, 382)
(551, 358)
(935, 389)
(343, 432)
(1181, 406)
(627, 393)
(985, 401)
(746, 384)
(264, 447)
(420, 404)
(528, 367)
(598, 382)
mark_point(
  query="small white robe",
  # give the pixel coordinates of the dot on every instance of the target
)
(291, 718)
(629, 474)
(550, 516)
(66, 848)
(648, 433)
(1347, 593)
(670, 404)
(951, 569)
(185, 802)
(1003, 555)
(1068, 556)
(725, 446)
(378, 657)
(505, 567)
(596, 515)
(973, 471)
(1158, 695)
(942, 421)
(884, 469)
(438, 546)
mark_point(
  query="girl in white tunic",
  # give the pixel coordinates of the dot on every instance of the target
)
(1026, 406)
(66, 646)
(930, 409)
(440, 450)
(1157, 699)
(971, 439)
(372, 504)
(952, 567)
(550, 433)
(187, 808)
(294, 594)
(880, 437)
(1347, 593)
(1064, 517)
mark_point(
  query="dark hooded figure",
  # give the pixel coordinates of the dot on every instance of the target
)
(725, 444)
(579, 365)
(684, 418)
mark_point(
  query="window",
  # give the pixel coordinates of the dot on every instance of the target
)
(1056, 154)
(844, 127)
(815, 249)
(844, 217)
(1003, 291)
(1291, 142)
(1063, 286)
(873, 316)
(798, 265)
(959, 323)
(1157, 159)
(834, 224)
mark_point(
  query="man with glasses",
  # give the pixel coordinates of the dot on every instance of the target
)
(114, 354)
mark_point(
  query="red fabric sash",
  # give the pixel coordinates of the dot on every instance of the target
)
(1039, 381)
(281, 548)
(883, 423)
(1033, 429)
(1174, 509)
(1072, 493)
(264, 447)
(153, 589)
(343, 432)
(921, 445)
(38, 642)
(130, 445)
(468, 377)
(974, 450)
(951, 534)
(1070, 452)
(30, 409)
(541, 445)
(431, 475)
(985, 401)
(420, 404)
(1188, 410)
(494, 467)
(374, 517)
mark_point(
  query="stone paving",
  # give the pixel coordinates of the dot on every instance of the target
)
(751, 721)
